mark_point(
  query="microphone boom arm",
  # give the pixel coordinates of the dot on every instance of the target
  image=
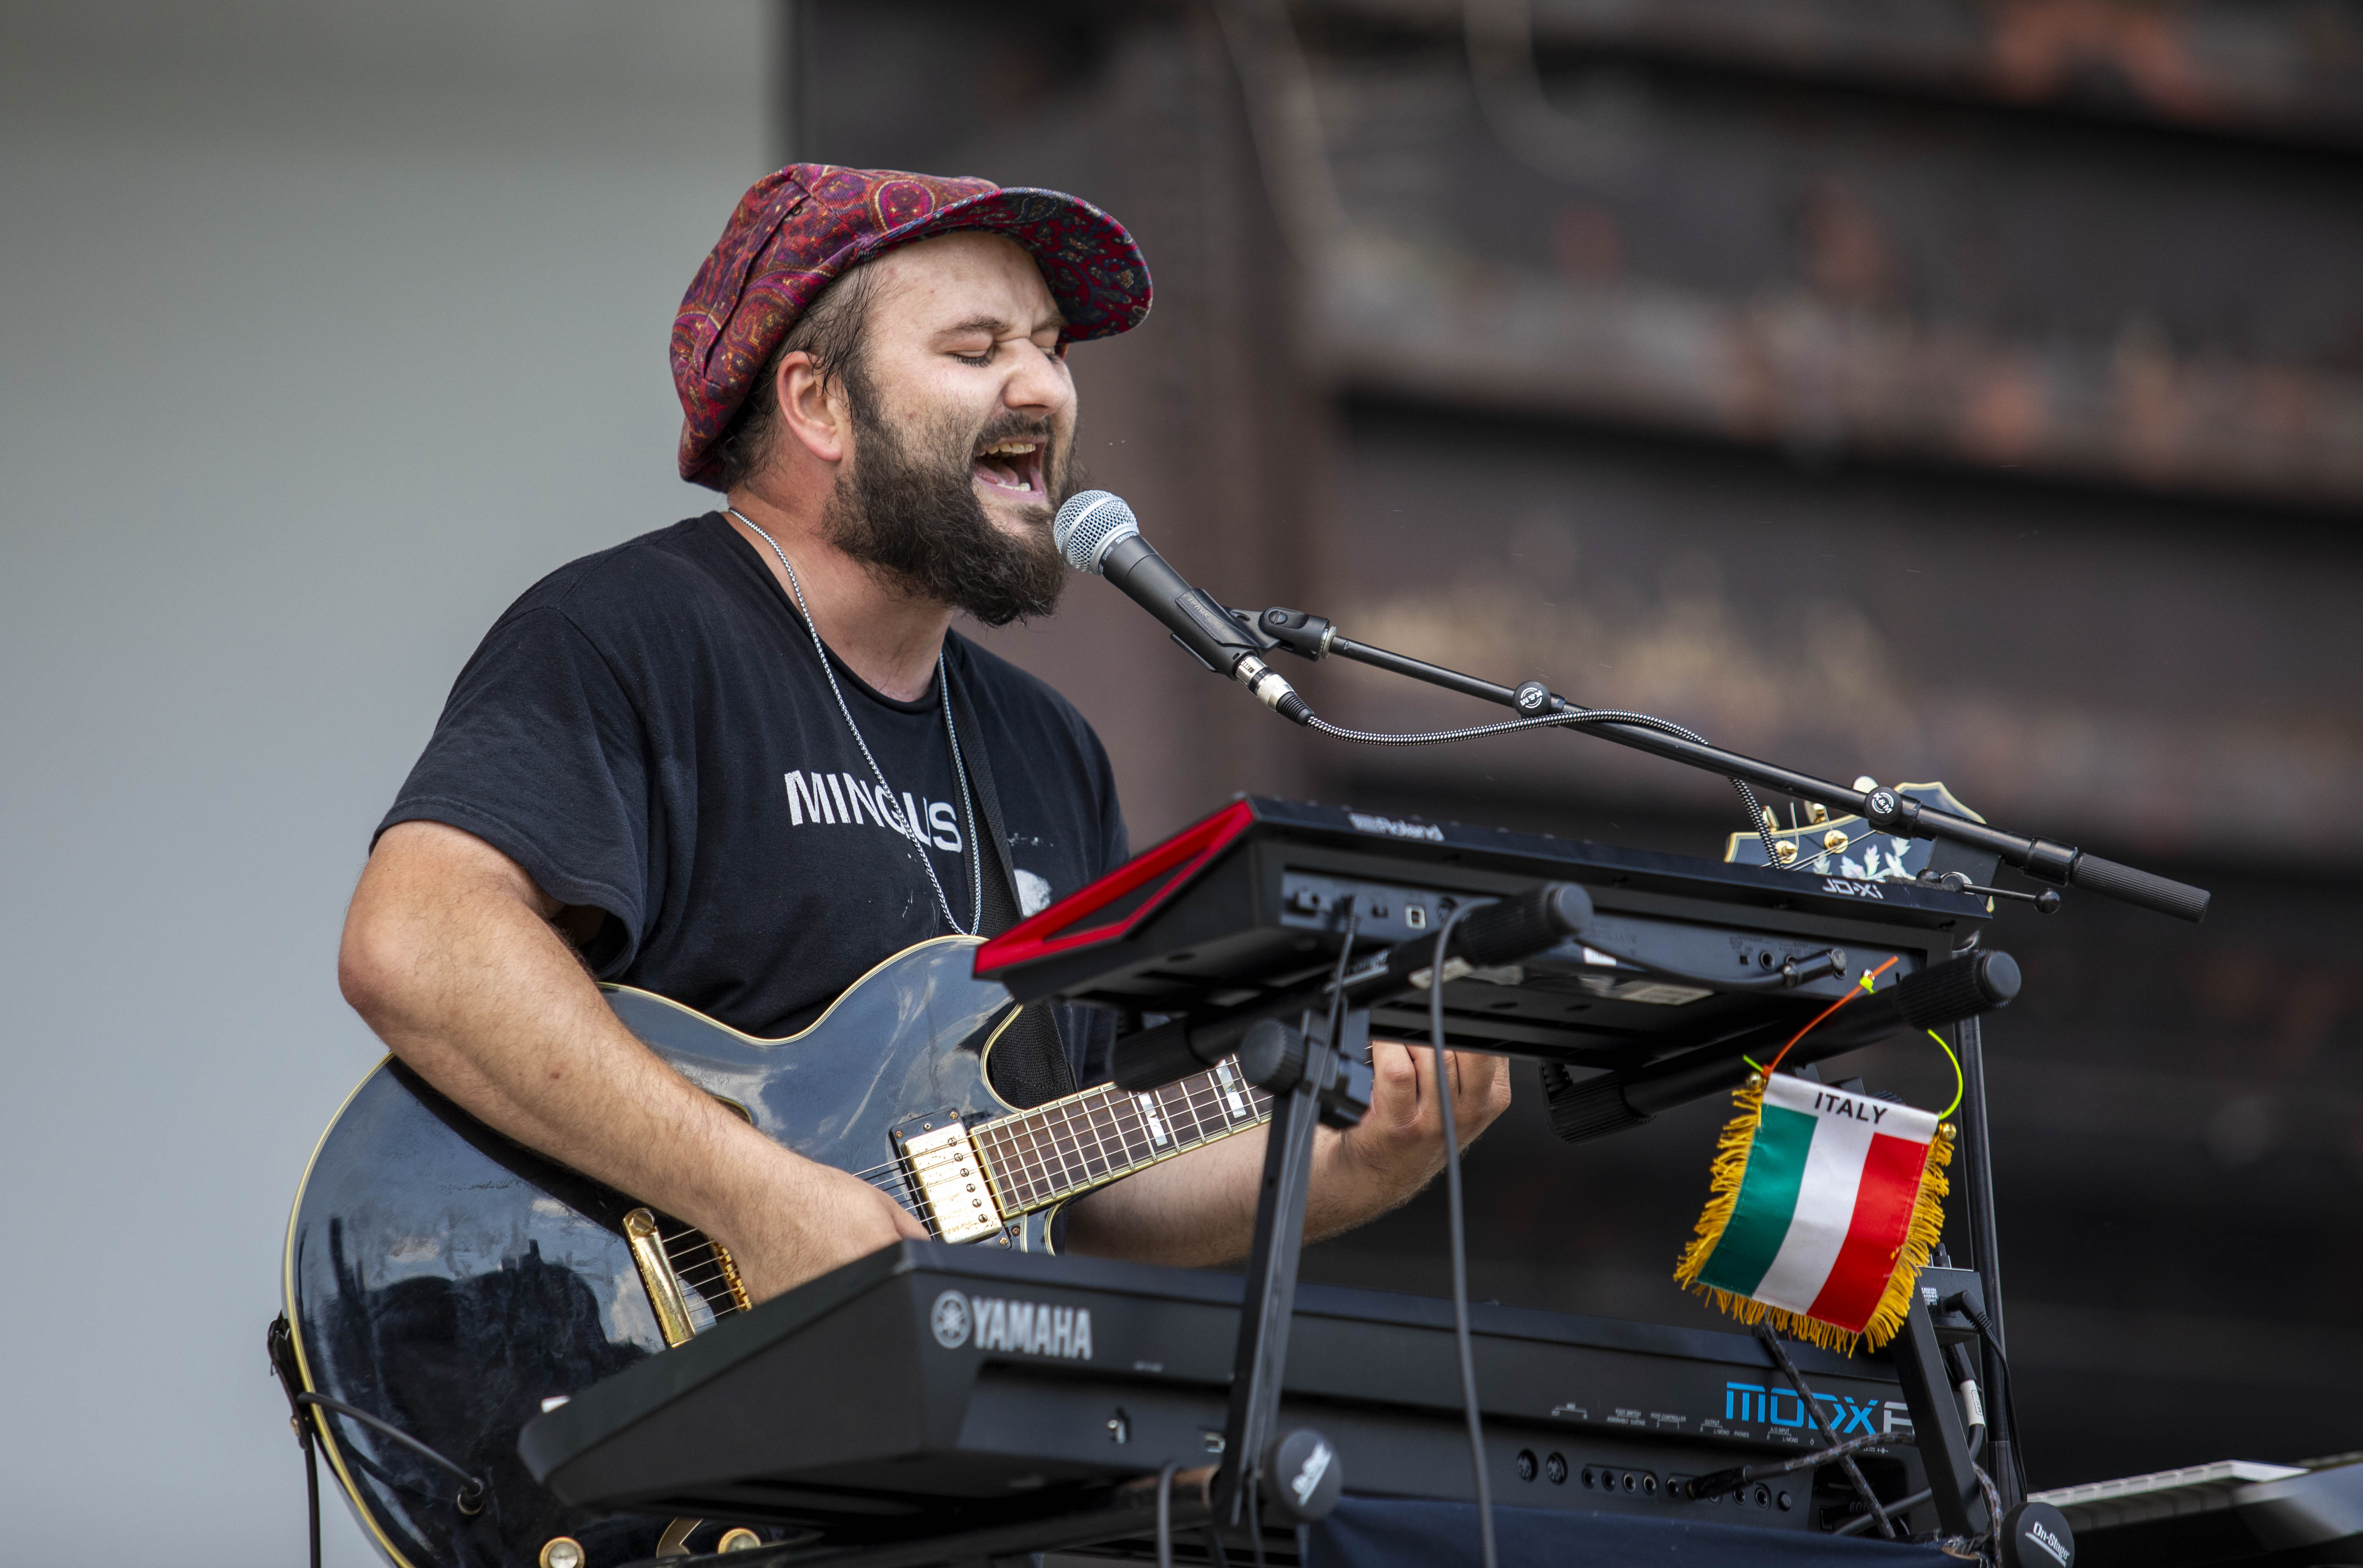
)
(1889, 811)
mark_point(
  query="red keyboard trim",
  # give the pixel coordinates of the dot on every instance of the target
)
(1054, 931)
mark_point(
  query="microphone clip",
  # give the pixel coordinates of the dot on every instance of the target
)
(1268, 685)
(1255, 637)
(1306, 635)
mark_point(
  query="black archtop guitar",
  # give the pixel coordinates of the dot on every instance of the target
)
(455, 1283)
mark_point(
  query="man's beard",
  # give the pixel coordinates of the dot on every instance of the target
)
(910, 513)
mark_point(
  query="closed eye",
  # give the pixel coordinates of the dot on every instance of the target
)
(993, 335)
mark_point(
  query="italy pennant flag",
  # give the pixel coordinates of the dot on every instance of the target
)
(1821, 1212)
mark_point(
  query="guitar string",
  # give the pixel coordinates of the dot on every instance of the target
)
(1043, 1180)
(890, 1170)
(1101, 1114)
(1043, 1144)
(1098, 1118)
(1099, 1143)
(1200, 1094)
(1203, 1093)
(1098, 1128)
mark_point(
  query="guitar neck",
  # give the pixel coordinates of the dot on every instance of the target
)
(1043, 1156)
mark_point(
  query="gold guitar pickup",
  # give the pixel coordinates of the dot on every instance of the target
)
(947, 1179)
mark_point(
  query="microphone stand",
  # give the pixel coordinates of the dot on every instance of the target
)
(1889, 810)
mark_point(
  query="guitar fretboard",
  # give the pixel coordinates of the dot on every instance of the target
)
(1068, 1146)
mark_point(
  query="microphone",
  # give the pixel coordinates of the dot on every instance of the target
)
(1097, 533)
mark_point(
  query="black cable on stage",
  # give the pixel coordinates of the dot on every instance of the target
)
(1976, 1440)
(471, 1500)
(1460, 1242)
(1836, 1449)
(2007, 1393)
(1165, 1514)
(1255, 1523)
(1337, 976)
(311, 1487)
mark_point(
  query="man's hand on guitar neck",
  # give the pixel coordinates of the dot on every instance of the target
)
(1200, 1208)
(450, 956)
(1398, 1146)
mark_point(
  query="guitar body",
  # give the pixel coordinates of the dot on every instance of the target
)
(449, 1280)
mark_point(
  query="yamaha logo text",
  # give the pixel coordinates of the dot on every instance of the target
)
(1036, 1328)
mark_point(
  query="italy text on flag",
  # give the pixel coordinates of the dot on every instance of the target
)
(1825, 1206)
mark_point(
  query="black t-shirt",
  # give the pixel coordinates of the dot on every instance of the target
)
(648, 732)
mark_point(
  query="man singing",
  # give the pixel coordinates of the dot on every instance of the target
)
(740, 760)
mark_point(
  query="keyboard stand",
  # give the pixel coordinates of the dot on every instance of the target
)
(1330, 1086)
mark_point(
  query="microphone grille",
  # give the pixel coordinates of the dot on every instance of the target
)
(1088, 524)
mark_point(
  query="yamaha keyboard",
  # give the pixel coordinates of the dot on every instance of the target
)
(930, 1388)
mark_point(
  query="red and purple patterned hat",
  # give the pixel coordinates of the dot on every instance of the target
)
(797, 230)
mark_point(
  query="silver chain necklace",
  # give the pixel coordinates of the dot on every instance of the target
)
(960, 769)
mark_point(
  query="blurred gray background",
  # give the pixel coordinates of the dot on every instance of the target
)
(328, 329)
(1934, 389)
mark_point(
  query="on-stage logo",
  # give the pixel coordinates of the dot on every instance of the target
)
(2050, 1543)
(1394, 829)
(1851, 888)
(1308, 1478)
(1036, 1328)
(950, 1321)
(1756, 1402)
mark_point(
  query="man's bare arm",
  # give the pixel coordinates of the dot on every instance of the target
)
(450, 954)
(1200, 1208)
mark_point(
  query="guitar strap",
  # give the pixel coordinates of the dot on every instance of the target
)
(1028, 1066)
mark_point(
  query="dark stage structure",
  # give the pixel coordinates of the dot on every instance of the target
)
(1957, 391)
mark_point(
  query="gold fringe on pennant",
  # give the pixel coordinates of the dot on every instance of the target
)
(1919, 1237)
(1723, 1186)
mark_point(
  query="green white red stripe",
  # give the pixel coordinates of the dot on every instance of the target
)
(1826, 1204)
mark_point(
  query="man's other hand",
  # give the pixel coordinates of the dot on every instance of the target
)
(1200, 1208)
(1398, 1146)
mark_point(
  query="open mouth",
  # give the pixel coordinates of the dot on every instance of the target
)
(1012, 467)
